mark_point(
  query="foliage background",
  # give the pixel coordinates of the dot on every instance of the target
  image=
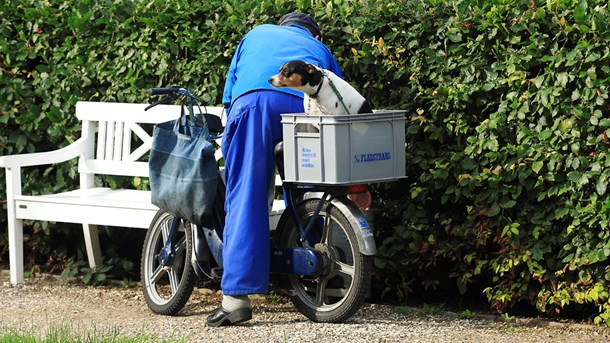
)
(506, 193)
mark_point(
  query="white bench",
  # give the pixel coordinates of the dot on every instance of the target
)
(105, 148)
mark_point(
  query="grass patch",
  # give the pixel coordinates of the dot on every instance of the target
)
(432, 310)
(69, 333)
(467, 314)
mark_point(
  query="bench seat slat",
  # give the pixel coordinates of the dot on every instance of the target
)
(99, 206)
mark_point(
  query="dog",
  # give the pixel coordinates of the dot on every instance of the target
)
(324, 92)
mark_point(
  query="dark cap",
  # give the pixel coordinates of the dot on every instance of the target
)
(301, 19)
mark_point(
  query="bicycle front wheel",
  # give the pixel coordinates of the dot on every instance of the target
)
(167, 288)
(339, 291)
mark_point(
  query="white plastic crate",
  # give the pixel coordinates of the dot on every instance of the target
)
(345, 149)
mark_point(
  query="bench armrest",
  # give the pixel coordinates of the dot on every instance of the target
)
(49, 157)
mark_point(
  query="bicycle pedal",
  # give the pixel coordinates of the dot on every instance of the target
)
(216, 273)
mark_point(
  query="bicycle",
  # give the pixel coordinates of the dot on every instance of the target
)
(321, 255)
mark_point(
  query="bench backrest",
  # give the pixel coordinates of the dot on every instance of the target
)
(120, 135)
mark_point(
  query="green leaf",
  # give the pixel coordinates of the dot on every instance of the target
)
(545, 135)
(580, 14)
(87, 277)
(536, 166)
(575, 95)
(604, 123)
(510, 204)
(574, 176)
(65, 274)
(455, 37)
(602, 185)
(573, 57)
(578, 178)
(381, 263)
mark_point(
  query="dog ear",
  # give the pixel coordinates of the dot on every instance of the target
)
(310, 69)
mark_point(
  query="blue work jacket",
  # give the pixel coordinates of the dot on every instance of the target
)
(264, 50)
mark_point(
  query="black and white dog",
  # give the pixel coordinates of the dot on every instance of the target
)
(325, 92)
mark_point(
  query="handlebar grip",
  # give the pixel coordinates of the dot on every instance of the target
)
(163, 91)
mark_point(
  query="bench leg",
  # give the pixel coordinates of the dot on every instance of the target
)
(15, 226)
(15, 243)
(92, 243)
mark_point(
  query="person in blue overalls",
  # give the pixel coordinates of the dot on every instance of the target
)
(252, 131)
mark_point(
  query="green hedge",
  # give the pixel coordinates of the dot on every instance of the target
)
(508, 153)
(507, 132)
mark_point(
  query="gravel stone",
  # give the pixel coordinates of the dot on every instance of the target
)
(45, 301)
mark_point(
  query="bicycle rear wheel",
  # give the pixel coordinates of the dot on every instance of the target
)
(339, 291)
(167, 288)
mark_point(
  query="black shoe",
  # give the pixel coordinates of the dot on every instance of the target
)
(223, 318)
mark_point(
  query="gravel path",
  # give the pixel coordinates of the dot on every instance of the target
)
(44, 302)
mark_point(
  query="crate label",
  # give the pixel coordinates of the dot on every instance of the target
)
(307, 158)
(364, 227)
(380, 156)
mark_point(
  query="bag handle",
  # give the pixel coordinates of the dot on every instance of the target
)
(193, 117)
(183, 125)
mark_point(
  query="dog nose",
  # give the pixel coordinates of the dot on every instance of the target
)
(270, 80)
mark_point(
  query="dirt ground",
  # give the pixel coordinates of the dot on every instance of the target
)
(43, 303)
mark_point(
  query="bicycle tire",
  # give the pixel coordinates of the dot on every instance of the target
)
(166, 289)
(339, 292)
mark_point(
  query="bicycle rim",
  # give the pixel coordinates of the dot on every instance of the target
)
(339, 291)
(167, 288)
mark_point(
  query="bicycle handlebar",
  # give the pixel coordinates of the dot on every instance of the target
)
(171, 94)
(164, 91)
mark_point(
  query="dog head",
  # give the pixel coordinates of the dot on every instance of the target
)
(297, 75)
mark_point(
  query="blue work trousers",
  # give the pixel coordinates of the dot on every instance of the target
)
(252, 131)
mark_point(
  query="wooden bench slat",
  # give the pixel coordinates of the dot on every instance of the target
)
(100, 206)
(118, 141)
(74, 213)
(121, 112)
(98, 196)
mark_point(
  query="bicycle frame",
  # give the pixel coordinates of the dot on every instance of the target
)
(306, 260)
(300, 261)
